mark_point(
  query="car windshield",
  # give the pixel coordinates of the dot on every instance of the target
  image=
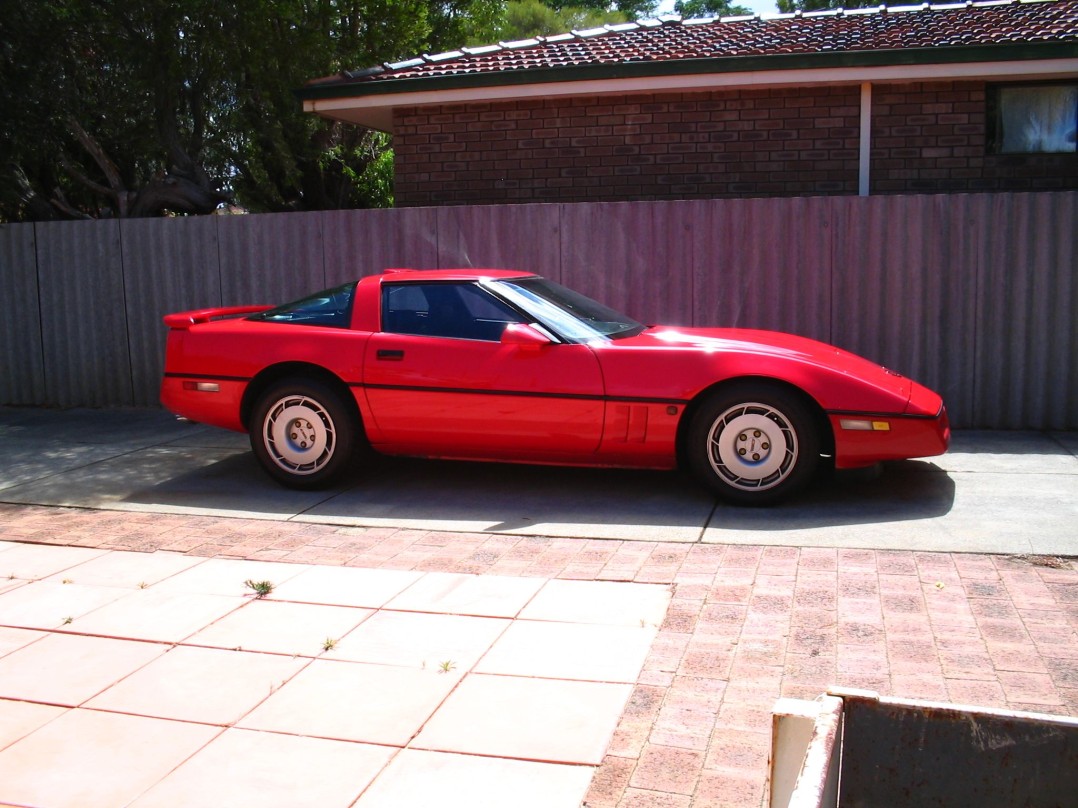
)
(332, 307)
(570, 314)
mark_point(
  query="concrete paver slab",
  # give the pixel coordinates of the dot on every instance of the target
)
(481, 595)
(126, 569)
(296, 714)
(352, 701)
(425, 641)
(242, 767)
(548, 720)
(69, 669)
(12, 639)
(48, 605)
(344, 586)
(612, 603)
(570, 651)
(148, 614)
(300, 629)
(24, 561)
(205, 685)
(418, 779)
(89, 759)
(222, 576)
(19, 718)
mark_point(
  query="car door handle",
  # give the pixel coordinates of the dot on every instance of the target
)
(390, 356)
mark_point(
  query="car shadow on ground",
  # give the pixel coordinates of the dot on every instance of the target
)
(546, 500)
(900, 491)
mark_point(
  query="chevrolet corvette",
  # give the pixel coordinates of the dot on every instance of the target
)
(507, 366)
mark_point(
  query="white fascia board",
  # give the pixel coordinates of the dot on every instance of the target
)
(376, 110)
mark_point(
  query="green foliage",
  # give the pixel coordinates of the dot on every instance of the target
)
(115, 108)
(698, 9)
(527, 18)
(790, 6)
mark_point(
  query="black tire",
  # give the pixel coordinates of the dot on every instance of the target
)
(303, 433)
(753, 443)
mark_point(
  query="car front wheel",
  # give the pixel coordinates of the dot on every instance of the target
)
(303, 434)
(754, 444)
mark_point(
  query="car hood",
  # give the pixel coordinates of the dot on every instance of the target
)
(786, 349)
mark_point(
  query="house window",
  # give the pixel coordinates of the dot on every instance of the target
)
(1035, 119)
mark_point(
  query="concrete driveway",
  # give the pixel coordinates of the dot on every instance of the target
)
(994, 492)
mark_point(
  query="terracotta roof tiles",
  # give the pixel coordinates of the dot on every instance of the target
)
(671, 38)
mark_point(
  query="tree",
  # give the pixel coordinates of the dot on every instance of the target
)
(113, 108)
(524, 19)
(698, 9)
(790, 6)
(633, 9)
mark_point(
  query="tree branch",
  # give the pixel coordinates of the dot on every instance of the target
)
(108, 168)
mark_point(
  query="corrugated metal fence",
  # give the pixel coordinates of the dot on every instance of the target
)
(974, 295)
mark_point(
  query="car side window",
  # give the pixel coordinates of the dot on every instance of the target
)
(454, 310)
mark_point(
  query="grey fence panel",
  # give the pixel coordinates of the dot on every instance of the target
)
(85, 341)
(524, 237)
(22, 367)
(762, 263)
(621, 254)
(169, 266)
(271, 258)
(365, 242)
(905, 284)
(1027, 313)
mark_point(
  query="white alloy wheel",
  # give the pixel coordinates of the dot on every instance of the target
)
(754, 442)
(303, 432)
(752, 446)
(299, 435)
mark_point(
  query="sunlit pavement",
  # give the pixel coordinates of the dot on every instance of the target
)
(748, 622)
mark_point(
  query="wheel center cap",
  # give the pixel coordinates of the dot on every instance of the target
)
(301, 433)
(753, 445)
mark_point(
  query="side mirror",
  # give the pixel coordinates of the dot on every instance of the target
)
(523, 336)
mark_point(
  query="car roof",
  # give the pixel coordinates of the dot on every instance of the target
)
(466, 274)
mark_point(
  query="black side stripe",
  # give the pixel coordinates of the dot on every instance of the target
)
(522, 394)
(207, 377)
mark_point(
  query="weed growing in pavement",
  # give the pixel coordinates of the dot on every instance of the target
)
(447, 666)
(142, 585)
(260, 588)
(68, 621)
(329, 644)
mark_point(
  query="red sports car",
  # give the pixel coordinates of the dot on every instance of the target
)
(508, 366)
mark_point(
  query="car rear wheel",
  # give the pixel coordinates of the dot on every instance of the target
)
(754, 444)
(303, 433)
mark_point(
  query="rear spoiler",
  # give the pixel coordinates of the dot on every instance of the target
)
(186, 319)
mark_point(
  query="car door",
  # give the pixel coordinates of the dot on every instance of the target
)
(438, 380)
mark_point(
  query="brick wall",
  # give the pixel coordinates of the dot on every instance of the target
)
(672, 146)
(933, 137)
(927, 138)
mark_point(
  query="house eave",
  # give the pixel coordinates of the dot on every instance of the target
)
(371, 104)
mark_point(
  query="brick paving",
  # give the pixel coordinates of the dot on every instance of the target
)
(746, 626)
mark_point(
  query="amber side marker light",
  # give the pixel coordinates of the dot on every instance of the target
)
(859, 425)
(202, 387)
